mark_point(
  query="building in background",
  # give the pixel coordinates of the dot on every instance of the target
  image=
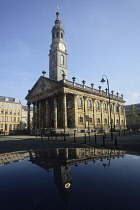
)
(133, 116)
(62, 104)
(10, 114)
(24, 117)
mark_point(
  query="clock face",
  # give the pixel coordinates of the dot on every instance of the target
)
(61, 46)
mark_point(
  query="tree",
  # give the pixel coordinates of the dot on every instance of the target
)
(133, 110)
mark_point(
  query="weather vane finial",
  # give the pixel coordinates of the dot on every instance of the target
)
(57, 8)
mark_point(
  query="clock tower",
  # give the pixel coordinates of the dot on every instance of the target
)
(58, 53)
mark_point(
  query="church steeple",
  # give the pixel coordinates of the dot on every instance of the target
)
(58, 53)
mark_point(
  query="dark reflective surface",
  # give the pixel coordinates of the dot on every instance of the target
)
(69, 179)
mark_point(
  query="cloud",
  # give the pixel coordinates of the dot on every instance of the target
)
(132, 97)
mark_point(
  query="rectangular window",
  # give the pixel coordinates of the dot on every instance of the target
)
(18, 119)
(6, 119)
(14, 119)
(14, 112)
(10, 111)
(14, 127)
(90, 120)
(10, 127)
(2, 104)
(10, 119)
(6, 111)
(2, 111)
(2, 119)
(18, 112)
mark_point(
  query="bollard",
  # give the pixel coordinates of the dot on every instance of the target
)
(116, 145)
(124, 132)
(103, 141)
(89, 136)
(119, 133)
(95, 139)
(74, 137)
(105, 135)
(85, 137)
(64, 135)
(48, 136)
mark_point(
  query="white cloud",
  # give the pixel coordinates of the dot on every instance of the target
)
(132, 97)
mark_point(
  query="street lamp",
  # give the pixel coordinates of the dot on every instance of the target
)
(103, 80)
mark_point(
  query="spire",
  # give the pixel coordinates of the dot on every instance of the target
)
(57, 21)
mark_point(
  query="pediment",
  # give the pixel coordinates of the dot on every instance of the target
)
(43, 85)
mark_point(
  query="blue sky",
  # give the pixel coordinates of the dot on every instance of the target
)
(102, 37)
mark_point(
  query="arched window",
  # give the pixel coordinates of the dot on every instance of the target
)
(98, 120)
(105, 107)
(81, 119)
(90, 120)
(117, 108)
(105, 121)
(80, 103)
(117, 121)
(61, 35)
(97, 105)
(62, 60)
(69, 103)
(89, 104)
(57, 34)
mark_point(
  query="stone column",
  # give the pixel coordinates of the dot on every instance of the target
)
(39, 115)
(55, 112)
(29, 118)
(94, 113)
(101, 102)
(34, 116)
(114, 113)
(119, 117)
(75, 112)
(47, 114)
(85, 111)
(108, 111)
(64, 111)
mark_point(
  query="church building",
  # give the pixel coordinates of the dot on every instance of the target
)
(62, 104)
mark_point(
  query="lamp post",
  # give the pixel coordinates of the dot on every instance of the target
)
(103, 80)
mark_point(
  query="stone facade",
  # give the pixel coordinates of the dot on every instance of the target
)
(62, 104)
(10, 114)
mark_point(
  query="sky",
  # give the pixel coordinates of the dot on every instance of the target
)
(102, 38)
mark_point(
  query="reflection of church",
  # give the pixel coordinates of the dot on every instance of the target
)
(62, 159)
(60, 103)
